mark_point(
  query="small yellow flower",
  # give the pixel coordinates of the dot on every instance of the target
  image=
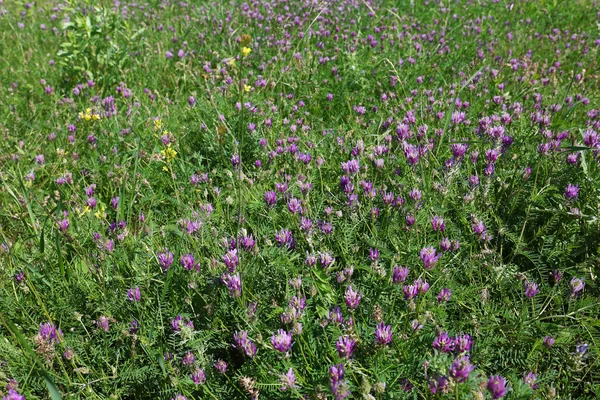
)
(169, 154)
(247, 88)
(88, 115)
(246, 51)
(85, 210)
(157, 124)
(100, 213)
(231, 62)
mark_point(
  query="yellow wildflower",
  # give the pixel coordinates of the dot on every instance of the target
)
(168, 153)
(246, 51)
(157, 124)
(100, 213)
(247, 88)
(88, 115)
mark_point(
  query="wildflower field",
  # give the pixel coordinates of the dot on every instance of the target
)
(299, 199)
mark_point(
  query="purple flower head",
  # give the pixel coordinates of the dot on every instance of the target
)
(345, 346)
(339, 386)
(177, 323)
(571, 192)
(445, 244)
(231, 259)
(233, 283)
(429, 257)
(438, 224)
(444, 295)
(270, 198)
(221, 366)
(311, 259)
(399, 274)
(577, 286)
(461, 368)
(351, 167)
(188, 358)
(63, 224)
(352, 298)
(374, 254)
(19, 276)
(13, 395)
(479, 229)
(415, 194)
(282, 342)
(243, 343)
(103, 323)
(165, 259)
(529, 378)
(444, 343)
(549, 341)
(336, 372)
(198, 377)
(187, 261)
(335, 316)
(134, 327)
(581, 349)
(115, 202)
(438, 384)
(247, 242)
(422, 286)
(497, 386)
(49, 333)
(410, 291)
(556, 276)
(383, 334)
(531, 289)
(284, 238)
(294, 206)
(287, 380)
(134, 294)
(305, 224)
(463, 343)
(415, 325)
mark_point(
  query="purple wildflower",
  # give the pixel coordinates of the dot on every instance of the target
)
(287, 380)
(198, 377)
(497, 386)
(345, 346)
(461, 368)
(187, 261)
(444, 295)
(282, 342)
(383, 334)
(221, 366)
(531, 289)
(571, 192)
(577, 286)
(463, 343)
(429, 257)
(443, 343)
(233, 283)
(399, 274)
(270, 198)
(352, 298)
(529, 378)
(134, 294)
(165, 259)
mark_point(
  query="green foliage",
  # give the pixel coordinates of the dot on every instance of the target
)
(148, 102)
